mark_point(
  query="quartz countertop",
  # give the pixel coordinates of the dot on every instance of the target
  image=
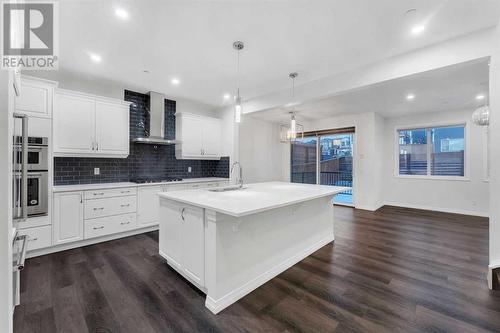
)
(103, 186)
(253, 198)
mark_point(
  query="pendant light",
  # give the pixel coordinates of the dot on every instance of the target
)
(481, 115)
(238, 109)
(292, 132)
(289, 132)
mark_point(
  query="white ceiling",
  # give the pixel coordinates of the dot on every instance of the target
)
(192, 40)
(449, 88)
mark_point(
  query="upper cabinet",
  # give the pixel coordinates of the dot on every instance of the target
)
(200, 137)
(35, 97)
(92, 126)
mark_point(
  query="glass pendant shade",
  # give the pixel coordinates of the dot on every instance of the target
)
(237, 110)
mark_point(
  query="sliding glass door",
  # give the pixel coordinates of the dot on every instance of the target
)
(336, 164)
(304, 161)
(326, 159)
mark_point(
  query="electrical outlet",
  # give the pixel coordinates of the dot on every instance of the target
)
(97, 171)
(189, 169)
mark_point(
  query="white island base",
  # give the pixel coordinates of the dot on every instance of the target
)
(228, 255)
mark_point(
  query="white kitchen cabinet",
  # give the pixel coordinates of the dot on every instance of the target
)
(38, 237)
(112, 128)
(36, 97)
(182, 239)
(200, 137)
(147, 205)
(90, 126)
(67, 221)
(73, 124)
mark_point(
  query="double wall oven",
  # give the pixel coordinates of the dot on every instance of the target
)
(35, 201)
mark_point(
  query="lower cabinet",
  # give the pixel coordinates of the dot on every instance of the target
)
(109, 225)
(67, 217)
(182, 239)
(147, 205)
(38, 237)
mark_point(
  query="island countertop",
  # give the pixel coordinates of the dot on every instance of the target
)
(253, 198)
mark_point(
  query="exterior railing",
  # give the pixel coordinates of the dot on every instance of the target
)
(332, 178)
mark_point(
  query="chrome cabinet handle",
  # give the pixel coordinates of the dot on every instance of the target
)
(97, 228)
(125, 223)
(98, 193)
(22, 257)
(33, 239)
(99, 208)
(127, 205)
(125, 191)
(97, 146)
(182, 214)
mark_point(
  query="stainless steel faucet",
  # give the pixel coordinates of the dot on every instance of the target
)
(240, 176)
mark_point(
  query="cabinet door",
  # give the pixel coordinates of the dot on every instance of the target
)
(35, 98)
(68, 217)
(148, 205)
(193, 243)
(112, 128)
(74, 124)
(170, 232)
(191, 136)
(211, 138)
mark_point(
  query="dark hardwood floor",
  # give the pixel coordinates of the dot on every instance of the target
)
(395, 270)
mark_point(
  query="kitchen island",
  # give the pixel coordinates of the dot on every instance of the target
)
(230, 243)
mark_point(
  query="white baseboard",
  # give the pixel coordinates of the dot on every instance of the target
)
(368, 207)
(69, 246)
(216, 306)
(439, 209)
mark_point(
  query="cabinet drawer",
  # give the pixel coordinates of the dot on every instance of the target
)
(109, 193)
(38, 237)
(110, 206)
(109, 225)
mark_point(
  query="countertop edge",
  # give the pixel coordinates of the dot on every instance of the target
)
(96, 186)
(167, 195)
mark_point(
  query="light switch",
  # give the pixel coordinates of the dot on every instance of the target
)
(97, 171)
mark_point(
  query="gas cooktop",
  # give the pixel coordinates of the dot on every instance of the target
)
(144, 180)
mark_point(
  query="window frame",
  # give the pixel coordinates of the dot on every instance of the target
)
(427, 128)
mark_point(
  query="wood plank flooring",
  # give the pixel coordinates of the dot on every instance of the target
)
(395, 270)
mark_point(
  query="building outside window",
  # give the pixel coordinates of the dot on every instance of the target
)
(432, 151)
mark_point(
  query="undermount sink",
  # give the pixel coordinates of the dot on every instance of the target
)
(227, 188)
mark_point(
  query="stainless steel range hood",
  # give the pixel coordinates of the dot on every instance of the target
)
(156, 122)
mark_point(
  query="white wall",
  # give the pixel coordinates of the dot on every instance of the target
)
(494, 131)
(260, 150)
(5, 205)
(466, 197)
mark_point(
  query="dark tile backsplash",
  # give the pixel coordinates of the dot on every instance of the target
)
(144, 160)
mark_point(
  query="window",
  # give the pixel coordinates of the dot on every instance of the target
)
(432, 151)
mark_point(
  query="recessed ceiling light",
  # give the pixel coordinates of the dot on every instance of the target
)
(95, 57)
(410, 97)
(226, 96)
(418, 29)
(480, 97)
(121, 13)
(175, 81)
